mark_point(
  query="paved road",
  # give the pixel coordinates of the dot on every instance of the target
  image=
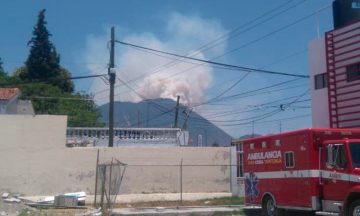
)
(257, 212)
(186, 211)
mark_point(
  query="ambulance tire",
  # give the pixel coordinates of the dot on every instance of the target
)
(355, 206)
(268, 208)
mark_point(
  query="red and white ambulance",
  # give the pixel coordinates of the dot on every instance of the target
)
(314, 170)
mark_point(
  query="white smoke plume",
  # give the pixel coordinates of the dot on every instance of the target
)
(183, 33)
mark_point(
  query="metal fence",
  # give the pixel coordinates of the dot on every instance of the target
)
(144, 183)
(109, 177)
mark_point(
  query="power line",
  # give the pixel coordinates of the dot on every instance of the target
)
(61, 98)
(271, 113)
(259, 117)
(149, 73)
(52, 79)
(254, 108)
(256, 90)
(230, 80)
(265, 36)
(254, 41)
(166, 111)
(192, 118)
(244, 93)
(275, 120)
(241, 47)
(81, 63)
(199, 50)
(247, 69)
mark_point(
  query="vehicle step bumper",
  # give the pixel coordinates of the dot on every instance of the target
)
(328, 213)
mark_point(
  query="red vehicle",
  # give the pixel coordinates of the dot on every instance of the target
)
(312, 169)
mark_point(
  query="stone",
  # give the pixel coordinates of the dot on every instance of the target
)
(12, 200)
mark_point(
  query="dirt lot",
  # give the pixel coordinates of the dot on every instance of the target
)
(20, 209)
(204, 202)
(12, 208)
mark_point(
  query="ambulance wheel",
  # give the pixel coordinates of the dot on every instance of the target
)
(355, 208)
(269, 208)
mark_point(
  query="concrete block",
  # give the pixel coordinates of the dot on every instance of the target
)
(12, 200)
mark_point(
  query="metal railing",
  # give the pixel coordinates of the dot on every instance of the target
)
(81, 136)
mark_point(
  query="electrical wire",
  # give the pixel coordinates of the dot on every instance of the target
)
(198, 51)
(197, 66)
(52, 79)
(61, 98)
(247, 69)
(270, 113)
(254, 41)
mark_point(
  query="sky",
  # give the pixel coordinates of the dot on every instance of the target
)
(81, 31)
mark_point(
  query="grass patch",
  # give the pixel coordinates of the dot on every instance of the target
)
(241, 212)
(202, 202)
(52, 212)
(231, 213)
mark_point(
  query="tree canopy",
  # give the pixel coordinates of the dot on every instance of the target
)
(43, 61)
(50, 97)
(2, 71)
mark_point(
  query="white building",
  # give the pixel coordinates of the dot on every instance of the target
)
(335, 71)
(10, 103)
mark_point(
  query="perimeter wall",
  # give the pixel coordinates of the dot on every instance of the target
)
(34, 161)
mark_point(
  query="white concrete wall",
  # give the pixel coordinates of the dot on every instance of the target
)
(34, 161)
(319, 97)
(237, 188)
(11, 108)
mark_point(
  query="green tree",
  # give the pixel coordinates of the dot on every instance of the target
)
(4, 78)
(2, 71)
(51, 100)
(43, 62)
(53, 97)
(1, 65)
(215, 144)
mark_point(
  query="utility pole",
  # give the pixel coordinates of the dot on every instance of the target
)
(147, 115)
(186, 119)
(280, 126)
(253, 129)
(112, 75)
(177, 112)
(138, 118)
(205, 135)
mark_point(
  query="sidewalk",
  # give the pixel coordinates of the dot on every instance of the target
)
(183, 211)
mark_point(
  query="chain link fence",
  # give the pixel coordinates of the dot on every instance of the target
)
(109, 177)
(158, 184)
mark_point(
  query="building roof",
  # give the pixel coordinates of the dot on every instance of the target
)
(8, 93)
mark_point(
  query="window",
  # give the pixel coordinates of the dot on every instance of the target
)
(238, 147)
(336, 156)
(321, 81)
(240, 165)
(278, 142)
(252, 146)
(240, 160)
(354, 150)
(264, 144)
(353, 72)
(289, 160)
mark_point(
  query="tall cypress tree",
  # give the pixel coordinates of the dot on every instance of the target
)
(1, 65)
(2, 71)
(43, 61)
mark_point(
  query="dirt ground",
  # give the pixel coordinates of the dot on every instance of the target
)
(20, 209)
(13, 209)
(204, 202)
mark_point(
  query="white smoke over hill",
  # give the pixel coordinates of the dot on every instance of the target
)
(182, 34)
